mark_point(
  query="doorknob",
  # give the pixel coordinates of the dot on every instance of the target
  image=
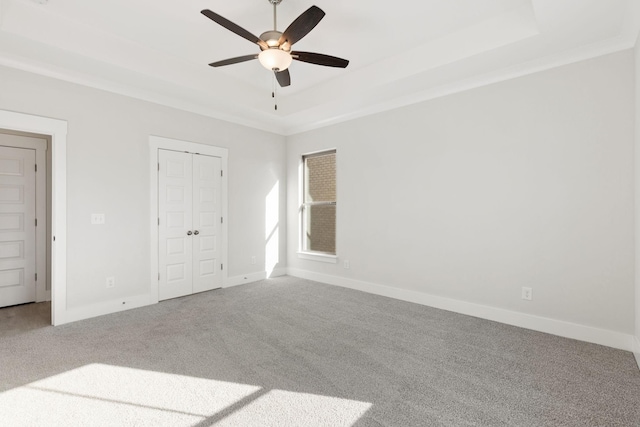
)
(196, 232)
(189, 233)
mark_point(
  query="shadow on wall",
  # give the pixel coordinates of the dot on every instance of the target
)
(127, 396)
(272, 229)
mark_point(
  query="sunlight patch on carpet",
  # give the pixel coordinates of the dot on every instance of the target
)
(107, 395)
(286, 408)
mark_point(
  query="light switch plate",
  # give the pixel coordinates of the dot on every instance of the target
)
(97, 219)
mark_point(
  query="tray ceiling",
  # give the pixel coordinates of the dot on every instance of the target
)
(401, 52)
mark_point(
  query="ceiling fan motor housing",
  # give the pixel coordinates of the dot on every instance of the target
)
(272, 38)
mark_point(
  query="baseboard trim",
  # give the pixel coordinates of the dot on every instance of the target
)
(636, 351)
(101, 309)
(537, 323)
(277, 272)
(118, 305)
(243, 279)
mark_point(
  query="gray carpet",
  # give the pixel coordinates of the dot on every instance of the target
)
(287, 351)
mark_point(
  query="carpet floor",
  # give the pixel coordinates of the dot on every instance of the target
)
(291, 352)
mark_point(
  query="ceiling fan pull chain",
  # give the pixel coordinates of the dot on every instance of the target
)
(274, 92)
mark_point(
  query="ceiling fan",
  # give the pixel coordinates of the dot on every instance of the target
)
(275, 46)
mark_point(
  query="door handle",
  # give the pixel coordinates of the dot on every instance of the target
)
(196, 232)
(189, 233)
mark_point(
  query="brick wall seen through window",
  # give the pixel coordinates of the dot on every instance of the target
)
(319, 209)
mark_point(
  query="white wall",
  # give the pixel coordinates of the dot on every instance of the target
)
(107, 172)
(528, 182)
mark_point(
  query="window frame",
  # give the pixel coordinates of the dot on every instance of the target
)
(303, 251)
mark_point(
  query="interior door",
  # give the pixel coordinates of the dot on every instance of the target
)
(175, 190)
(17, 226)
(206, 222)
(189, 187)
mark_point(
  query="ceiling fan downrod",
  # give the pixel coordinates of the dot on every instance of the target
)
(275, 4)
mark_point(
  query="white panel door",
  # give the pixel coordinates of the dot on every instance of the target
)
(206, 222)
(175, 190)
(17, 226)
(189, 206)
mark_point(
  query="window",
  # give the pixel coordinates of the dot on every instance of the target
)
(318, 210)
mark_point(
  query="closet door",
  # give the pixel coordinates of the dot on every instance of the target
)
(175, 200)
(189, 204)
(206, 222)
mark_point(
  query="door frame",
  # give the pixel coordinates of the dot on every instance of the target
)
(57, 131)
(160, 143)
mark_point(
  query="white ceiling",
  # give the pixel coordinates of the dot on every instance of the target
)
(401, 52)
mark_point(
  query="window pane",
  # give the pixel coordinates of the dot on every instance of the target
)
(320, 174)
(321, 228)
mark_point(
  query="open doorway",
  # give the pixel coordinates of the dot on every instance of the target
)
(25, 222)
(19, 147)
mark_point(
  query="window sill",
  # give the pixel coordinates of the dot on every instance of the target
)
(311, 256)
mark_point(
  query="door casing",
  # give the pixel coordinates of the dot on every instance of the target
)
(57, 131)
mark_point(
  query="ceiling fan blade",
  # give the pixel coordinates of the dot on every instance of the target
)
(233, 60)
(302, 25)
(320, 59)
(283, 77)
(234, 28)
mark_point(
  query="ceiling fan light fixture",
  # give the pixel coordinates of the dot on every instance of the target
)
(275, 59)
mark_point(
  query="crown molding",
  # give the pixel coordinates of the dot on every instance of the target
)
(277, 126)
(133, 92)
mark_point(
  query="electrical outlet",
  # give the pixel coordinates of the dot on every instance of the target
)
(111, 282)
(527, 293)
(97, 219)
(253, 260)
(347, 264)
